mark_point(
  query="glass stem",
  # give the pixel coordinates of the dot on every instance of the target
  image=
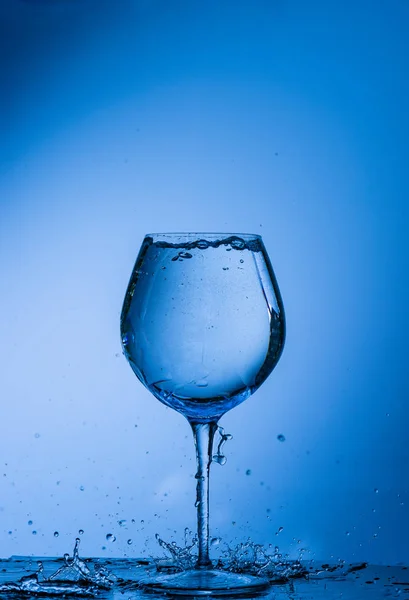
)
(203, 434)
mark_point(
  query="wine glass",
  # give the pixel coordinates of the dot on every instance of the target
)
(202, 327)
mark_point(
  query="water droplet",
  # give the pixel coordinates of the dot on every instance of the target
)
(34, 532)
(82, 488)
(10, 532)
(37, 435)
(281, 437)
(56, 534)
(30, 522)
(347, 533)
(197, 503)
(221, 460)
(279, 530)
(215, 541)
(122, 522)
(248, 472)
(125, 339)
(129, 542)
(142, 521)
(225, 268)
(242, 261)
(81, 532)
(202, 244)
(110, 537)
(376, 491)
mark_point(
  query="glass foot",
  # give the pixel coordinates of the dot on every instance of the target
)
(207, 582)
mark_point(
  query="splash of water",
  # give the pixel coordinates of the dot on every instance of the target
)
(73, 578)
(247, 558)
(219, 456)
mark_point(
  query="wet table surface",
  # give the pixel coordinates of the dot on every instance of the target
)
(347, 583)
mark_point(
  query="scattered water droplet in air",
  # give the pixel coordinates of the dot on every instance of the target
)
(215, 541)
(202, 244)
(37, 435)
(248, 472)
(122, 522)
(110, 537)
(376, 491)
(30, 522)
(281, 437)
(225, 268)
(81, 531)
(56, 534)
(34, 532)
(279, 530)
(224, 437)
(82, 488)
(129, 542)
(347, 533)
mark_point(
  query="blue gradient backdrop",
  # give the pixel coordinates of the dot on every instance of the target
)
(288, 119)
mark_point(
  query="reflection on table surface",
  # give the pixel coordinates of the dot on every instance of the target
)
(349, 582)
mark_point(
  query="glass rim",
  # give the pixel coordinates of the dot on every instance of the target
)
(204, 235)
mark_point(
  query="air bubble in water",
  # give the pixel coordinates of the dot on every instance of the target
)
(110, 537)
(238, 244)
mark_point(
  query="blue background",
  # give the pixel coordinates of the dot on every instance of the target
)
(287, 119)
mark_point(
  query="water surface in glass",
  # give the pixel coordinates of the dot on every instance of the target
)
(202, 323)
